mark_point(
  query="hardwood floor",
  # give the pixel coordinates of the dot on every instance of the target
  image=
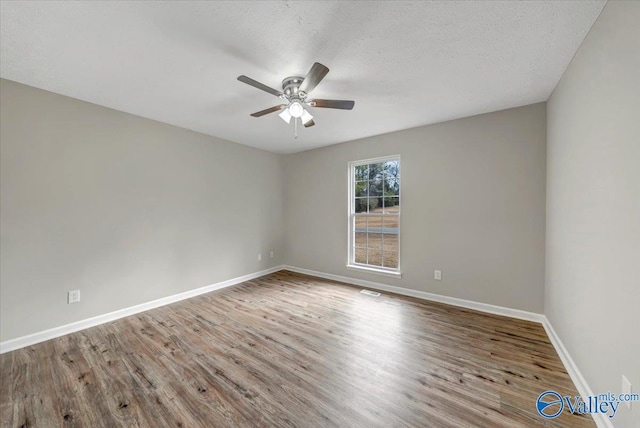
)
(289, 350)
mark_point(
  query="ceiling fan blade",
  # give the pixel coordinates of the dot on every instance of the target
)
(315, 75)
(310, 123)
(268, 110)
(341, 104)
(256, 84)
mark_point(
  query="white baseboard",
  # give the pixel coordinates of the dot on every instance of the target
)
(578, 380)
(454, 301)
(21, 342)
(572, 369)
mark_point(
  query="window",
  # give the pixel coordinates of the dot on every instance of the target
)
(374, 215)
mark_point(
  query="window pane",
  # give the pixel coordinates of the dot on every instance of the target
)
(390, 242)
(390, 259)
(375, 258)
(360, 223)
(375, 205)
(361, 239)
(375, 187)
(374, 240)
(392, 205)
(392, 169)
(361, 255)
(374, 224)
(376, 171)
(390, 224)
(391, 187)
(360, 205)
(361, 172)
(361, 189)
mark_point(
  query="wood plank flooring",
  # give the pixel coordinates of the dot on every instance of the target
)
(289, 350)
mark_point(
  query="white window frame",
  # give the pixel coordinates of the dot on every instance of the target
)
(351, 264)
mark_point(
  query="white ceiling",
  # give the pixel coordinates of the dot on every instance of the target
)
(405, 64)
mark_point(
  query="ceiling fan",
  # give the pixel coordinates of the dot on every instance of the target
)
(295, 92)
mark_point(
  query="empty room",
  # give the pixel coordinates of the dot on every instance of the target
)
(320, 213)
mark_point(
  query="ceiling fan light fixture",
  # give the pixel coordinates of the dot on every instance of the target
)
(285, 115)
(295, 109)
(306, 117)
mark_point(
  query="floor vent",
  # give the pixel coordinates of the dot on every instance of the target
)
(370, 293)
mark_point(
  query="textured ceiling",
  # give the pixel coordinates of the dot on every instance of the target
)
(405, 64)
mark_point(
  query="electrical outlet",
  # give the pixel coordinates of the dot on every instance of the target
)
(259, 257)
(437, 275)
(73, 296)
(626, 389)
(270, 254)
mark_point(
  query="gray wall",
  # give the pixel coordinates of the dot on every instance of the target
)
(473, 195)
(125, 209)
(592, 294)
(129, 210)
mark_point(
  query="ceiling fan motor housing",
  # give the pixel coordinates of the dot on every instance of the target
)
(291, 85)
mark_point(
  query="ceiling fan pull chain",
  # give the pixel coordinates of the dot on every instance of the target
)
(295, 126)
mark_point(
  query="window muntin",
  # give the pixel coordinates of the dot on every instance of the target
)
(374, 217)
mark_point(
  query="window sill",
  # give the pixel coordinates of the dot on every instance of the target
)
(375, 271)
